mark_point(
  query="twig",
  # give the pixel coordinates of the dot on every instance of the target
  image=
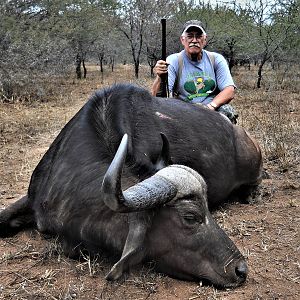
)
(30, 281)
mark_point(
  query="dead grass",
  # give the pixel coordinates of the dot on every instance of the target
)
(267, 232)
(271, 115)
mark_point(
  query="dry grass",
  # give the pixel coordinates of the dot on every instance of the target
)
(266, 232)
(272, 115)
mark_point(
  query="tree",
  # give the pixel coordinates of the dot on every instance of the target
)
(163, 9)
(29, 50)
(106, 47)
(266, 36)
(84, 23)
(287, 14)
(139, 21)
(131, 22)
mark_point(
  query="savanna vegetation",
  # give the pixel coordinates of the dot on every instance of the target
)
(41, 39)
(54, 54)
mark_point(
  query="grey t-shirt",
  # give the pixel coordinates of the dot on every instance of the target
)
(199, 82)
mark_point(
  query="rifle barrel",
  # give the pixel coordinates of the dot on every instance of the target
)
(163, 39)
(164, 56)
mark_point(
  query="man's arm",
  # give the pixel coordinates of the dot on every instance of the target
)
(223, 97)
(156, 85)
(225, 83)
(160, 68)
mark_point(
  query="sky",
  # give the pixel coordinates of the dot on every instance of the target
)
(238, 2)
(242, 3)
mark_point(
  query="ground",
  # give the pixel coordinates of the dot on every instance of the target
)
(266, 231)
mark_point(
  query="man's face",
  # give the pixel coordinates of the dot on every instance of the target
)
(193, 42)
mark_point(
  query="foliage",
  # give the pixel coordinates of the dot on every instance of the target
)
(40, 38)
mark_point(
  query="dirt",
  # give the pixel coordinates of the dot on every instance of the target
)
(266, 231)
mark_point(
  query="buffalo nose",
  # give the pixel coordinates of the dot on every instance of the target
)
(241, 270)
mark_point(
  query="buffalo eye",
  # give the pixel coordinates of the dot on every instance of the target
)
(192, 219)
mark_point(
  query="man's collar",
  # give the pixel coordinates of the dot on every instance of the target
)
(198, 60)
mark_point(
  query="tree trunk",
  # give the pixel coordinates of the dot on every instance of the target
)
(259, 78)
(78, 66)
(231, 57)
(84, 69)
(101, 64)
(151, 71)
(259, 73)
(260, 69)
(112, 64)
(231, 63)
(101, 57)
(7, 90)
(136, 69)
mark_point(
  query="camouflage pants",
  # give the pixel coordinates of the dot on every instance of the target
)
(228, 111)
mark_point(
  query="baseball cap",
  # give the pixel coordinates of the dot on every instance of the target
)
(193, 25)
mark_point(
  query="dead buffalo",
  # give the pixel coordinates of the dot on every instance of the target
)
(105, 183)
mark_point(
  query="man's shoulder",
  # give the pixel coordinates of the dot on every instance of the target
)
(213, 53)
(173, 57)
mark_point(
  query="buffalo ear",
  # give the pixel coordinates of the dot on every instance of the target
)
(134, 251)
(164, 158)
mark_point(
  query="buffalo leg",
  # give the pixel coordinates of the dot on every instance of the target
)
(16, 217)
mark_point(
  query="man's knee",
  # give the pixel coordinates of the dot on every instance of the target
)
(228, 111)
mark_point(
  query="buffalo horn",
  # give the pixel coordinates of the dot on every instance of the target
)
(149, 193)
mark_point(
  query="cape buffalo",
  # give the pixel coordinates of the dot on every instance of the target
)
(105, 183)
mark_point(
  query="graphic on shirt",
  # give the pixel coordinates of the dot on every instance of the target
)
(199, 85)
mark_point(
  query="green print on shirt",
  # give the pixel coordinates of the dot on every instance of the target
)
(199, 85)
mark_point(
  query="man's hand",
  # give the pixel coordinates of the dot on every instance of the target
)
(209, 106)
(161, 68)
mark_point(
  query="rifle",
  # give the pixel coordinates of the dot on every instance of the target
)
(164, 78)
